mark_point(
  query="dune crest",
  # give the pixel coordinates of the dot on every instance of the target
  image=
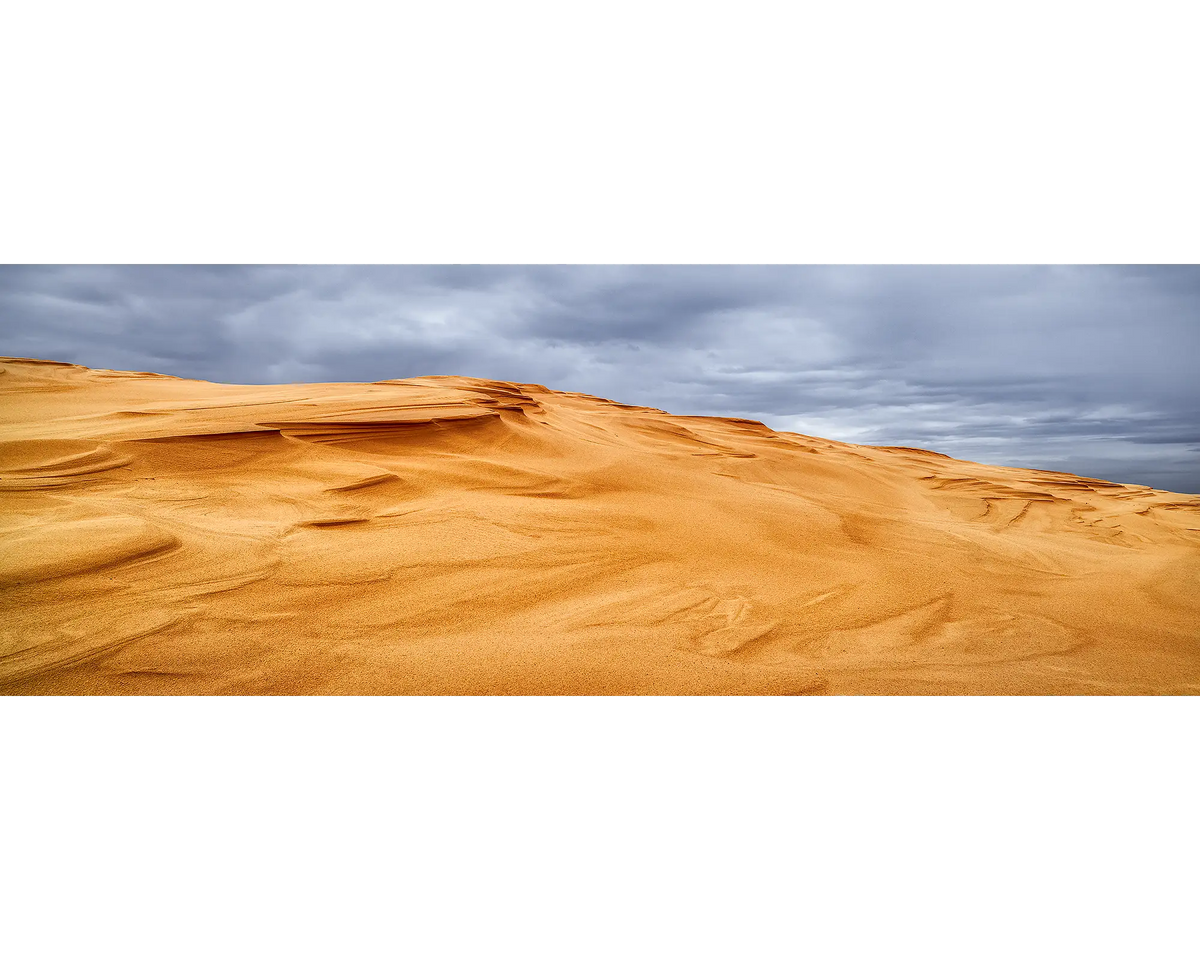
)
(461, 536)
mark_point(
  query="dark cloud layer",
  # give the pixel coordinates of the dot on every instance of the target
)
(1087, 369)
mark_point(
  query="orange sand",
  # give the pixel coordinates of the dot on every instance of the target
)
(451, 535)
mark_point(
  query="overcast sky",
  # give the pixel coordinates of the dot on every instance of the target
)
(1088, 369)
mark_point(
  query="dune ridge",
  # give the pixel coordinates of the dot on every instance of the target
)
(449, 535)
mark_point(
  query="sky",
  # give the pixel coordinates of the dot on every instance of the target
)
(1093, 370)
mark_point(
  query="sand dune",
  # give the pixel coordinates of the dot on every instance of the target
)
(452, 535)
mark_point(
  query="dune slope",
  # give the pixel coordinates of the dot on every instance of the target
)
(460, 536)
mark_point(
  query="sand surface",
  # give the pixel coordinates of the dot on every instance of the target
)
(460, 536)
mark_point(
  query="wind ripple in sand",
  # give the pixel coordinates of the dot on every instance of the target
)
(73, 547)
(42, 464)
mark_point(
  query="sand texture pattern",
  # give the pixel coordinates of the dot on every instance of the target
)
(446, 535)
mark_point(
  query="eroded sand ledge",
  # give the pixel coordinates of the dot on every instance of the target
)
(452, 535)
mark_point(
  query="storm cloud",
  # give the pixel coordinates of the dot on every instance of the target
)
(1085, 369)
